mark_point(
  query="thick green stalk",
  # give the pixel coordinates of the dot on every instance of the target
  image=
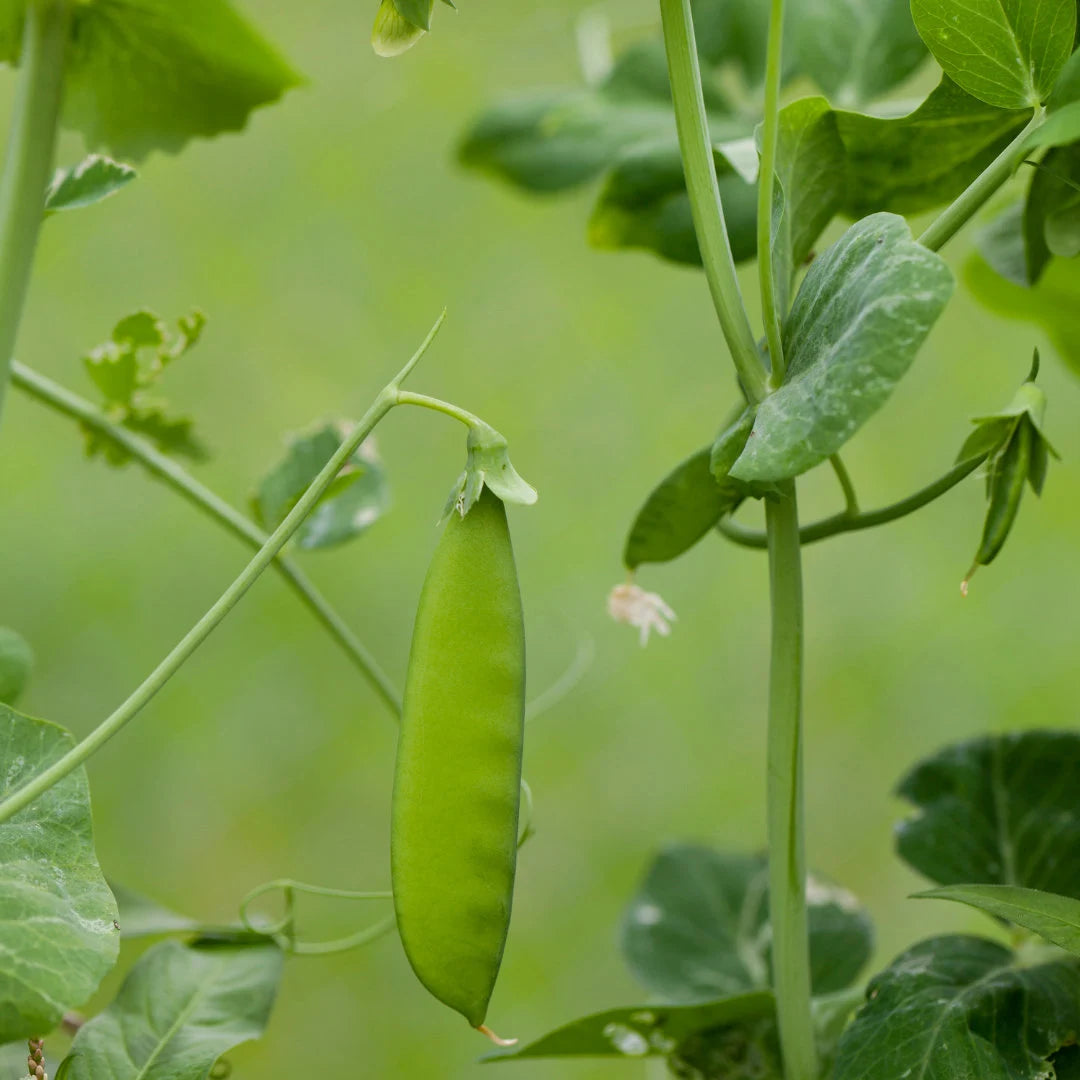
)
(770, 137)
(787, 847)
(696, 146)
(955, 216)
(29, 161)
(59, 399)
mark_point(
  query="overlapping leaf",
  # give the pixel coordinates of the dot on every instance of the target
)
(58, 935)
(91, 180)
(16, 663)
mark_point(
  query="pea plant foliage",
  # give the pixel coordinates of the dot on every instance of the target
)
(739, 132)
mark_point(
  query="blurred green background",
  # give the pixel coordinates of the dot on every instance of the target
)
(322, 245)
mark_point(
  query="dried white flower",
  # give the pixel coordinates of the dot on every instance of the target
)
(630, 604)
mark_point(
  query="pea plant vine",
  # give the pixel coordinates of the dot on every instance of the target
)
(712, 152)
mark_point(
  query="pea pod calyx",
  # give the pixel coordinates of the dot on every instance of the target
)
(488, 465)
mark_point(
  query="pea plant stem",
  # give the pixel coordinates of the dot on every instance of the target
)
(849, 521)
(770, 138)
(787, 846)
(384, 401)
(696, 146)
(29, 160)
(176, 478)
(407, 397)
(851, 500)
(955, 216)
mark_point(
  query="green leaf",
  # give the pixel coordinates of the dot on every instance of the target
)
(1007, 53)
(180, 1008)
(418, 12)
(856, 50)
(1052, 211)
(864, 309)
(962, 1008)
(1054, 918)
(356, 500)
(93, 179)
(644, 1030)
(16, 664)
(698, 928)
(681, 510)
(58, 936)
(733, 34)
(1000, 810)
(1050, 304)
(142, 917)
(910, 163)
(114, 370)
(644, 204)
(149, 75)
(394, 34)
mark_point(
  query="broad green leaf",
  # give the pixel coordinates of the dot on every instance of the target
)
(1050, 304)
(1001, 243)
(393, 34)
(149, 75)
(906, 164)
(143, 917)
(353, 503)
(864, 309)
(1000, 810)
(16, 664)
(644, 1030)
(698, 928)
(1052, 211)
(811, 170)
(681, 510)
(93, 179)
(180, 1008)
(1054, 918)
(418, 12)
(58, 936)
(644, 204)
(962, 1008)
(856, 50)
(1007, 53)
(733, 34)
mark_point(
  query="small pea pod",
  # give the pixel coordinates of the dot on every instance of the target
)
(458, 776)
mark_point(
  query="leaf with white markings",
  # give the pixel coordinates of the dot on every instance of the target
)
(180, 1008)
(58, 936)
(864, 309)
(963, 1008)
(999, 810)
(93, 179)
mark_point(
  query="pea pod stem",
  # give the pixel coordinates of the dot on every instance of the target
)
(854, 522)
(177, 479)
(955, 216)
(384, 401)
(423, 401)
(851, 500)
(31, 146)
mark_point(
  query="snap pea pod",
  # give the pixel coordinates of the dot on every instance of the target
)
(458, 775)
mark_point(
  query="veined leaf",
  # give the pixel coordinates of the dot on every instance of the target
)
(698, 928)
(16, 663)
(180, 1008)
(1007, 53)
(58, 936)
(1054, 918)
(999, 810)
(93, 179)
(644, 1030)
(961, 1008)
(394, 34)
(865, 307)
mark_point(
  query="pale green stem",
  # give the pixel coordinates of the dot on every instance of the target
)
(770, 138)
(406, 397)
(787, 846)
(28, 165)
(59, 399)
(851, 500)
(113, 724)
(955, 216)
(696, 146)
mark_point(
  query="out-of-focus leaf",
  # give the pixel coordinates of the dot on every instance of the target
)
(142, 917)
(910, 163)
(1001, 243)
(352, 504)
(960, 1007)
(856, 50)
(698, 928)
(999, 810)
(58, 936)
(1052, 211)
(93, 179)
(1007, 54)
(16, 664)
(180, 1008)
(644, 1030)
(865, 307)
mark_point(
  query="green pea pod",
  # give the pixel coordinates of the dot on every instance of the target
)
(1009, 473)
(457, 783)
